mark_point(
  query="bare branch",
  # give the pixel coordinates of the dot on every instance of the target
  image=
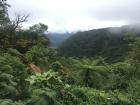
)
(19, 19)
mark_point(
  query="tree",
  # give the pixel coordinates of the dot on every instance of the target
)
(92, 73)
(15, 25)
(3, 12)
(9, 29)
(25, 39)
(39, 28)
(12, 78)
(135, 57)
(11, 35)
(4, 19)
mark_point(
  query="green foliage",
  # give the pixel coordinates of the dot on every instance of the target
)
(136, 51)
(43, 96)
(30, 37)
(13, 52)
(48, 78)
(67, 81)
(89, 72)
(35, 53)
(10, 102)
(39, 28)
(88, 96)
(120, 75)
(4, 19)
(41, 56)
(134, 92)
(101, 42)
(3, 12)
(46, 88)
(13, 73)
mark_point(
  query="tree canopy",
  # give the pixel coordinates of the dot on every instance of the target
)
(32, 73)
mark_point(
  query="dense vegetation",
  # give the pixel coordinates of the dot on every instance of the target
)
(31, 73)
(107, 42)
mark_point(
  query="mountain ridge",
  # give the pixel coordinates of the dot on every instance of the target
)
(99, 42)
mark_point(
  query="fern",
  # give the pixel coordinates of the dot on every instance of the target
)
(10, 102)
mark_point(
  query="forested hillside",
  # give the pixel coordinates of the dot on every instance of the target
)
(32, 73)
(107, 42)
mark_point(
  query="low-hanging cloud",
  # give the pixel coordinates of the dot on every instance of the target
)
(72, 15)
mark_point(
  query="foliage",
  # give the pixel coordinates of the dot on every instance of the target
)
(48, 78)
(120, 75)
(46, 88)
(134, 92)
(41, 56)
(13, 74)
(67, 80)
(110, 43)
(89, 72)
(3, 12)
(10, 102)
(12, 36)
(39, 28)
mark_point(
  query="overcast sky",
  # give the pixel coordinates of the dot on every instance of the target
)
(75, 15)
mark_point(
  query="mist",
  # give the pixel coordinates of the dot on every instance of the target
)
(77, 15)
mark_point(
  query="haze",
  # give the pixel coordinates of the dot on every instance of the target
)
(75, 15)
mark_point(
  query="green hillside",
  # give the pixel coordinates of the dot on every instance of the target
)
(32, 73)
(106, 42)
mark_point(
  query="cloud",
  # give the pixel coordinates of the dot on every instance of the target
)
(117, 10)
(72, 15)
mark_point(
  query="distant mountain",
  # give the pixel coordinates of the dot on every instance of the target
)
(106, 42)
(56, 39)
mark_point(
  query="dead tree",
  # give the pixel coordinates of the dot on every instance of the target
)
(9, 30)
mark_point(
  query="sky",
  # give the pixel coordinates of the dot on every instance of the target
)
(77, 15)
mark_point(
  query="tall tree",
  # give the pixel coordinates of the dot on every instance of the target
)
(3, 12)
(3, 21)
